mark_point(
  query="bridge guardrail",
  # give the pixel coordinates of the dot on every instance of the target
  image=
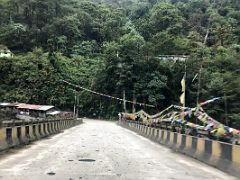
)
(223, 156)
(14, 134)
(3, 139)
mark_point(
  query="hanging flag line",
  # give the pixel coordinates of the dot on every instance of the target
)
(105, 95)
(209, 101)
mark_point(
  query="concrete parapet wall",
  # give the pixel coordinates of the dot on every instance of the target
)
(24, 138)
(32, 136)
(43, 134)
(13, 136)
(51, 128)
(223, 156)
(56, 127)
(3, 137)
(15, 140)
(37, 132)
(47, 129)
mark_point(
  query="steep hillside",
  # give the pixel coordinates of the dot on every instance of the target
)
(114, 50)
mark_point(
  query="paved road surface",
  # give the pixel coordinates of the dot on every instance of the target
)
(101, 150)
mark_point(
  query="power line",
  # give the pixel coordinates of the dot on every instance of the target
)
(106, 95)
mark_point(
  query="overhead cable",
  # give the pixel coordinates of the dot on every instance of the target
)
(106, 95)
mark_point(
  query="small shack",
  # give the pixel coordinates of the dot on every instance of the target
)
(8, 106)
(35, 110)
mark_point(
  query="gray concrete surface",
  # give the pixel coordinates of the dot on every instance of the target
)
(101, 150)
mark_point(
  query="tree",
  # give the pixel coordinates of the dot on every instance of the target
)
(164, 16)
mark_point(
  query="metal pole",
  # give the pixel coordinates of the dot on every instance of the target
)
(100, 106)
(74, 108)
(199, 84)
(225, 108)
(77, 106)
(124, 101)
(184, 105)
(134, 101)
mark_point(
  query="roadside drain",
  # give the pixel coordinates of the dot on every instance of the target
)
(87, 160)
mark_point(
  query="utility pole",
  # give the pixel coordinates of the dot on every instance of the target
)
(199, 84)
(77, 106)
(134, 101)
(184, 105)
(225, 108)
(124, 101)
(100, 107)
(74, 107)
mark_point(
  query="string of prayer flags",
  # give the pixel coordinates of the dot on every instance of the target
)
(209, 101)
(106, 95)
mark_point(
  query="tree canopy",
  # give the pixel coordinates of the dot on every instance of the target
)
(114, 46)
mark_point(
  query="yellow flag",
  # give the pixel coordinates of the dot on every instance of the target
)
(182, 99)
(183, 83)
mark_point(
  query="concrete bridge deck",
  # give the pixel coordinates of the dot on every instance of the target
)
(101, 150)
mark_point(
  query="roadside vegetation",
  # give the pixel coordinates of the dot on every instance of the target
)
(111, 46)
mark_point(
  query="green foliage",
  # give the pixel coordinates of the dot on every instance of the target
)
(112, 46)
(164, 16)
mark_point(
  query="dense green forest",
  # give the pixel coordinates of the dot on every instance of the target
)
(110, 46)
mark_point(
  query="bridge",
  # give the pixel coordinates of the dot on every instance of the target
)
(101, 150)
